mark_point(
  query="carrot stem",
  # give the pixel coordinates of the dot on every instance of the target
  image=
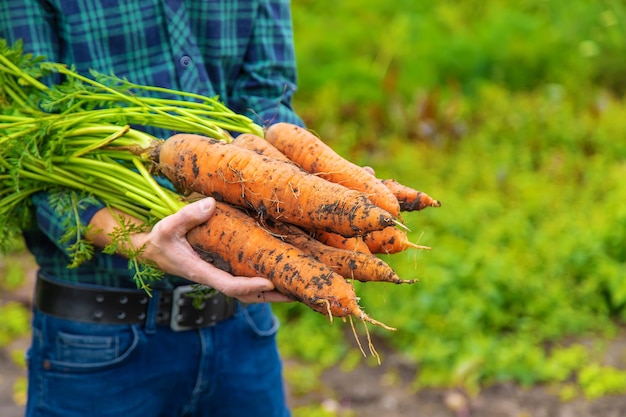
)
(99, 144)
(25, 76)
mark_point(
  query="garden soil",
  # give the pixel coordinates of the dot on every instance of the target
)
(385, 390)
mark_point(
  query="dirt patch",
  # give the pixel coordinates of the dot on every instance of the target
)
(369, 392)
(386, 390)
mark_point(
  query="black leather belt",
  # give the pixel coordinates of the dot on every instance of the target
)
(126, 306)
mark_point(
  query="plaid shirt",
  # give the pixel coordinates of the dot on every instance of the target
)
(239, 50)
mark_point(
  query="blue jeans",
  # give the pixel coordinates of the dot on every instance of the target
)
(231, 369)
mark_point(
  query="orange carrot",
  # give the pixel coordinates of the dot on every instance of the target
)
(389, 240)
(335, 240)
(234, 242)
(259, 145)
(314, 156)
(270, 187)
(347, 263)
(409, 198)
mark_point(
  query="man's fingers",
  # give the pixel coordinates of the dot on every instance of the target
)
(194, 214)
(240, 287)
(256, 290)
(273, 297)
(265, 297)
(247, 290)
(369, 169)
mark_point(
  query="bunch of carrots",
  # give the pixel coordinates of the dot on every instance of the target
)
(295, 211)
(289, 207)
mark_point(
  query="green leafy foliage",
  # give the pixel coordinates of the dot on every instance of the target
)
(15, 316)
(527, 246)
(378, 57)
(68, 204)
(510, 114)
(144, 273)
(597, 381)
(15, 322)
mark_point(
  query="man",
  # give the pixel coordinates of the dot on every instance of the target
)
(101, 347)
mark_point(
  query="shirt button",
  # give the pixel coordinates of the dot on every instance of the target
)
(185, 60)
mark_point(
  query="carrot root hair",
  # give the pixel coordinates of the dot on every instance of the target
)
(370, 344)
(356, 337)
(366, 318)
(326, 303)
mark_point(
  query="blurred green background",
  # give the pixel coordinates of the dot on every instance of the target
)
(512, 114)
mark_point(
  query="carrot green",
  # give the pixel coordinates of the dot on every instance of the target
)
(75, 136)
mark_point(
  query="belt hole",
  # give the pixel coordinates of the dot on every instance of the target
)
(201, 306)
(143, 300)
(181, 302)
(98, 314)
(141, 316)
(121, 315)
(199, 320)
(213, 317)
(100, 298)
(123, 300)
(215, 300)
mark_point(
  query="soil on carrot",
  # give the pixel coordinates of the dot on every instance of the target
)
(374, 391)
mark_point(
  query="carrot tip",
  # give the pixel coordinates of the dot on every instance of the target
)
(436, 203)
(416, 246)
(407, 281)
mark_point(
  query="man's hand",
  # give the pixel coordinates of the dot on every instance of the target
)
(167, 247)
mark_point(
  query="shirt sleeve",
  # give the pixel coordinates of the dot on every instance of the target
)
(268, 80)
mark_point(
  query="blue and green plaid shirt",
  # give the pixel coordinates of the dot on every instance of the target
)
(239, 50)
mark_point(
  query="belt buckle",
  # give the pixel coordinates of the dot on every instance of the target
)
(214, 307)
(178, 301)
